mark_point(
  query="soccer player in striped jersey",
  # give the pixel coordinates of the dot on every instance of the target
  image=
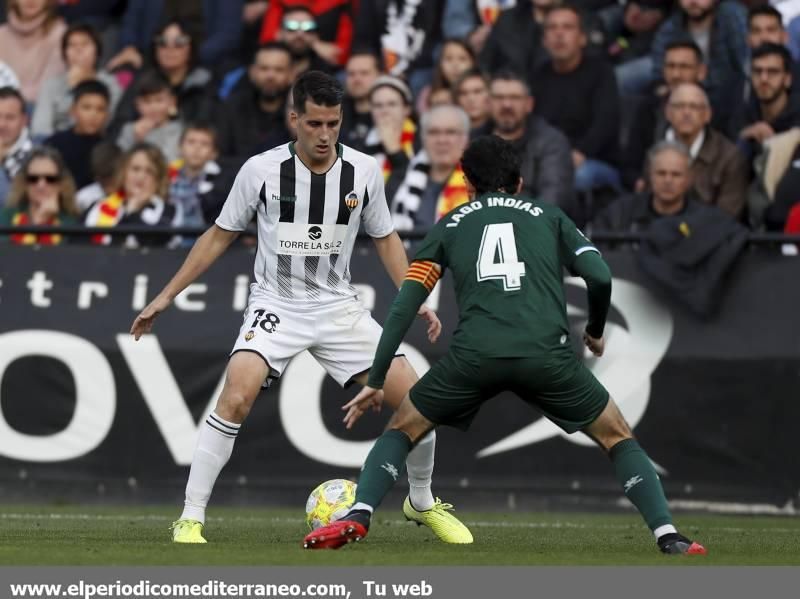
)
(309, 198)
(507, 255)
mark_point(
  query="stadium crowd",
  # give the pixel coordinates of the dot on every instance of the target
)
(142, 111)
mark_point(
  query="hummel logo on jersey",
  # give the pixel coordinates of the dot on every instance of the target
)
(390, 468)
(632, 482)
(280, 198)
(314, 233)
(351, 201)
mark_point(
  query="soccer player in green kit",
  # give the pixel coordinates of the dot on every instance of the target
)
(507, 256)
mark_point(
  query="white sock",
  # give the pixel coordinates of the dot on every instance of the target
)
(362, 506)
(214, 447)
(664, 530)
(420, 470)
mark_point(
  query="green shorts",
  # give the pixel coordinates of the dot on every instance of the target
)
(559, 386)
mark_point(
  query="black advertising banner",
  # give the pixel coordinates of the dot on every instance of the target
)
(85, 410)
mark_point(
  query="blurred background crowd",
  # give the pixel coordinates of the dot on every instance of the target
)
(116, 112)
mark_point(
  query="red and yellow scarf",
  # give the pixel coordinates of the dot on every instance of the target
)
(407, 136)
(22, 219)
(454, 193)
(108, 215)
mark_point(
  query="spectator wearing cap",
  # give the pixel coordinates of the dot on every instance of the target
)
(217, 25)
(299, 32)
(577, 93)
(30, 42)
(434, 183)
(362, 69)
(15, 140)
(334, 21)
(547, 171)
(393, 138)
(81, 49)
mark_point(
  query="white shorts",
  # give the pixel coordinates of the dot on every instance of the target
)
(342, 338)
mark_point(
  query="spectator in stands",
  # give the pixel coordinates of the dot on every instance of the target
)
(104, 162)
(719, 170)
(472, 20)
(683, 63)
(43, 193)
(299, 32)
(515, 40)
(670, 181)
(30, 43)
(174, 58)
(773, 109)
(8, 78)
(192, 175)
(439, 97)
(404, 33)
(155, 103)
(139, 198)
(720, 30)
(219, 20)
(393, 138)
(434, 183)
(100, 14)
(363, 68)
(455, 59)
(577, 93)
(630, 48)
(547, 171)
(765, 25)
(253, 117)
(334, 20)
(81, 49)
(15, 140)
(89, 112)
(773, 200)
(253, 12)
(471, 92)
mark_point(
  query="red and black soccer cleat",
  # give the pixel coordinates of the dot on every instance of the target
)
(677, 544)
(335, 535)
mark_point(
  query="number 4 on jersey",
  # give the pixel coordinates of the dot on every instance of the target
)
(498, 241)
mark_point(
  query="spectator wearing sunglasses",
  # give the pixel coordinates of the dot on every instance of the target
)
(334, 20)
(174, 58)
(218, 23)
(299, 32)
(42, 193)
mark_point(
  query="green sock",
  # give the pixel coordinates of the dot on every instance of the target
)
(385, 463)
(640, 482)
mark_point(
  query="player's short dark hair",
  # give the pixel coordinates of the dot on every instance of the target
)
(8, 92)
(273, 46)
(319, 87)
(491, 164)
(86, 29)
(91, 87)
(152, 82)
(204, 126)
(765, 10)
(686, 44)
(770, 49)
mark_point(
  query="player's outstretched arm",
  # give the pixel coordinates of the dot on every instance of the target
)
(209, 246)
(594, 270)
(394, 259)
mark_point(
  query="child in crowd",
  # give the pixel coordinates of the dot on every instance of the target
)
(89, 112)
(192, 175)
(156, 105)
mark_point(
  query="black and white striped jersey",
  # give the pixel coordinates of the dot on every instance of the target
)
(307, 222)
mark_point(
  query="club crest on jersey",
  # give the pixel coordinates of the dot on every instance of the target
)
(351, 201)
(249, 335)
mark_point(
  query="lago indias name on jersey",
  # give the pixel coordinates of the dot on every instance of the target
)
(493, 202)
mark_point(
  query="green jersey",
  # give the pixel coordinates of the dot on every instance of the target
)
(507, 257)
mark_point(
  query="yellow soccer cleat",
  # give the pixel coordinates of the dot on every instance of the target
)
(187, 531)
(439, 519)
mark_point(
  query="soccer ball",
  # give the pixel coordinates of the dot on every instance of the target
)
(329, 501)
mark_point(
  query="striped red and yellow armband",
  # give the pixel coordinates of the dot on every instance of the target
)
(424, 272)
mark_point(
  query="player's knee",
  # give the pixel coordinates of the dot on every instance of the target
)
(234, 406)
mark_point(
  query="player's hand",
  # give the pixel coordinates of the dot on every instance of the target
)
(144, 322)
(434, 324)
(596, 346)
(366, 399)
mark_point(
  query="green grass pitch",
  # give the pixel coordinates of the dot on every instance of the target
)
(84, 535)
